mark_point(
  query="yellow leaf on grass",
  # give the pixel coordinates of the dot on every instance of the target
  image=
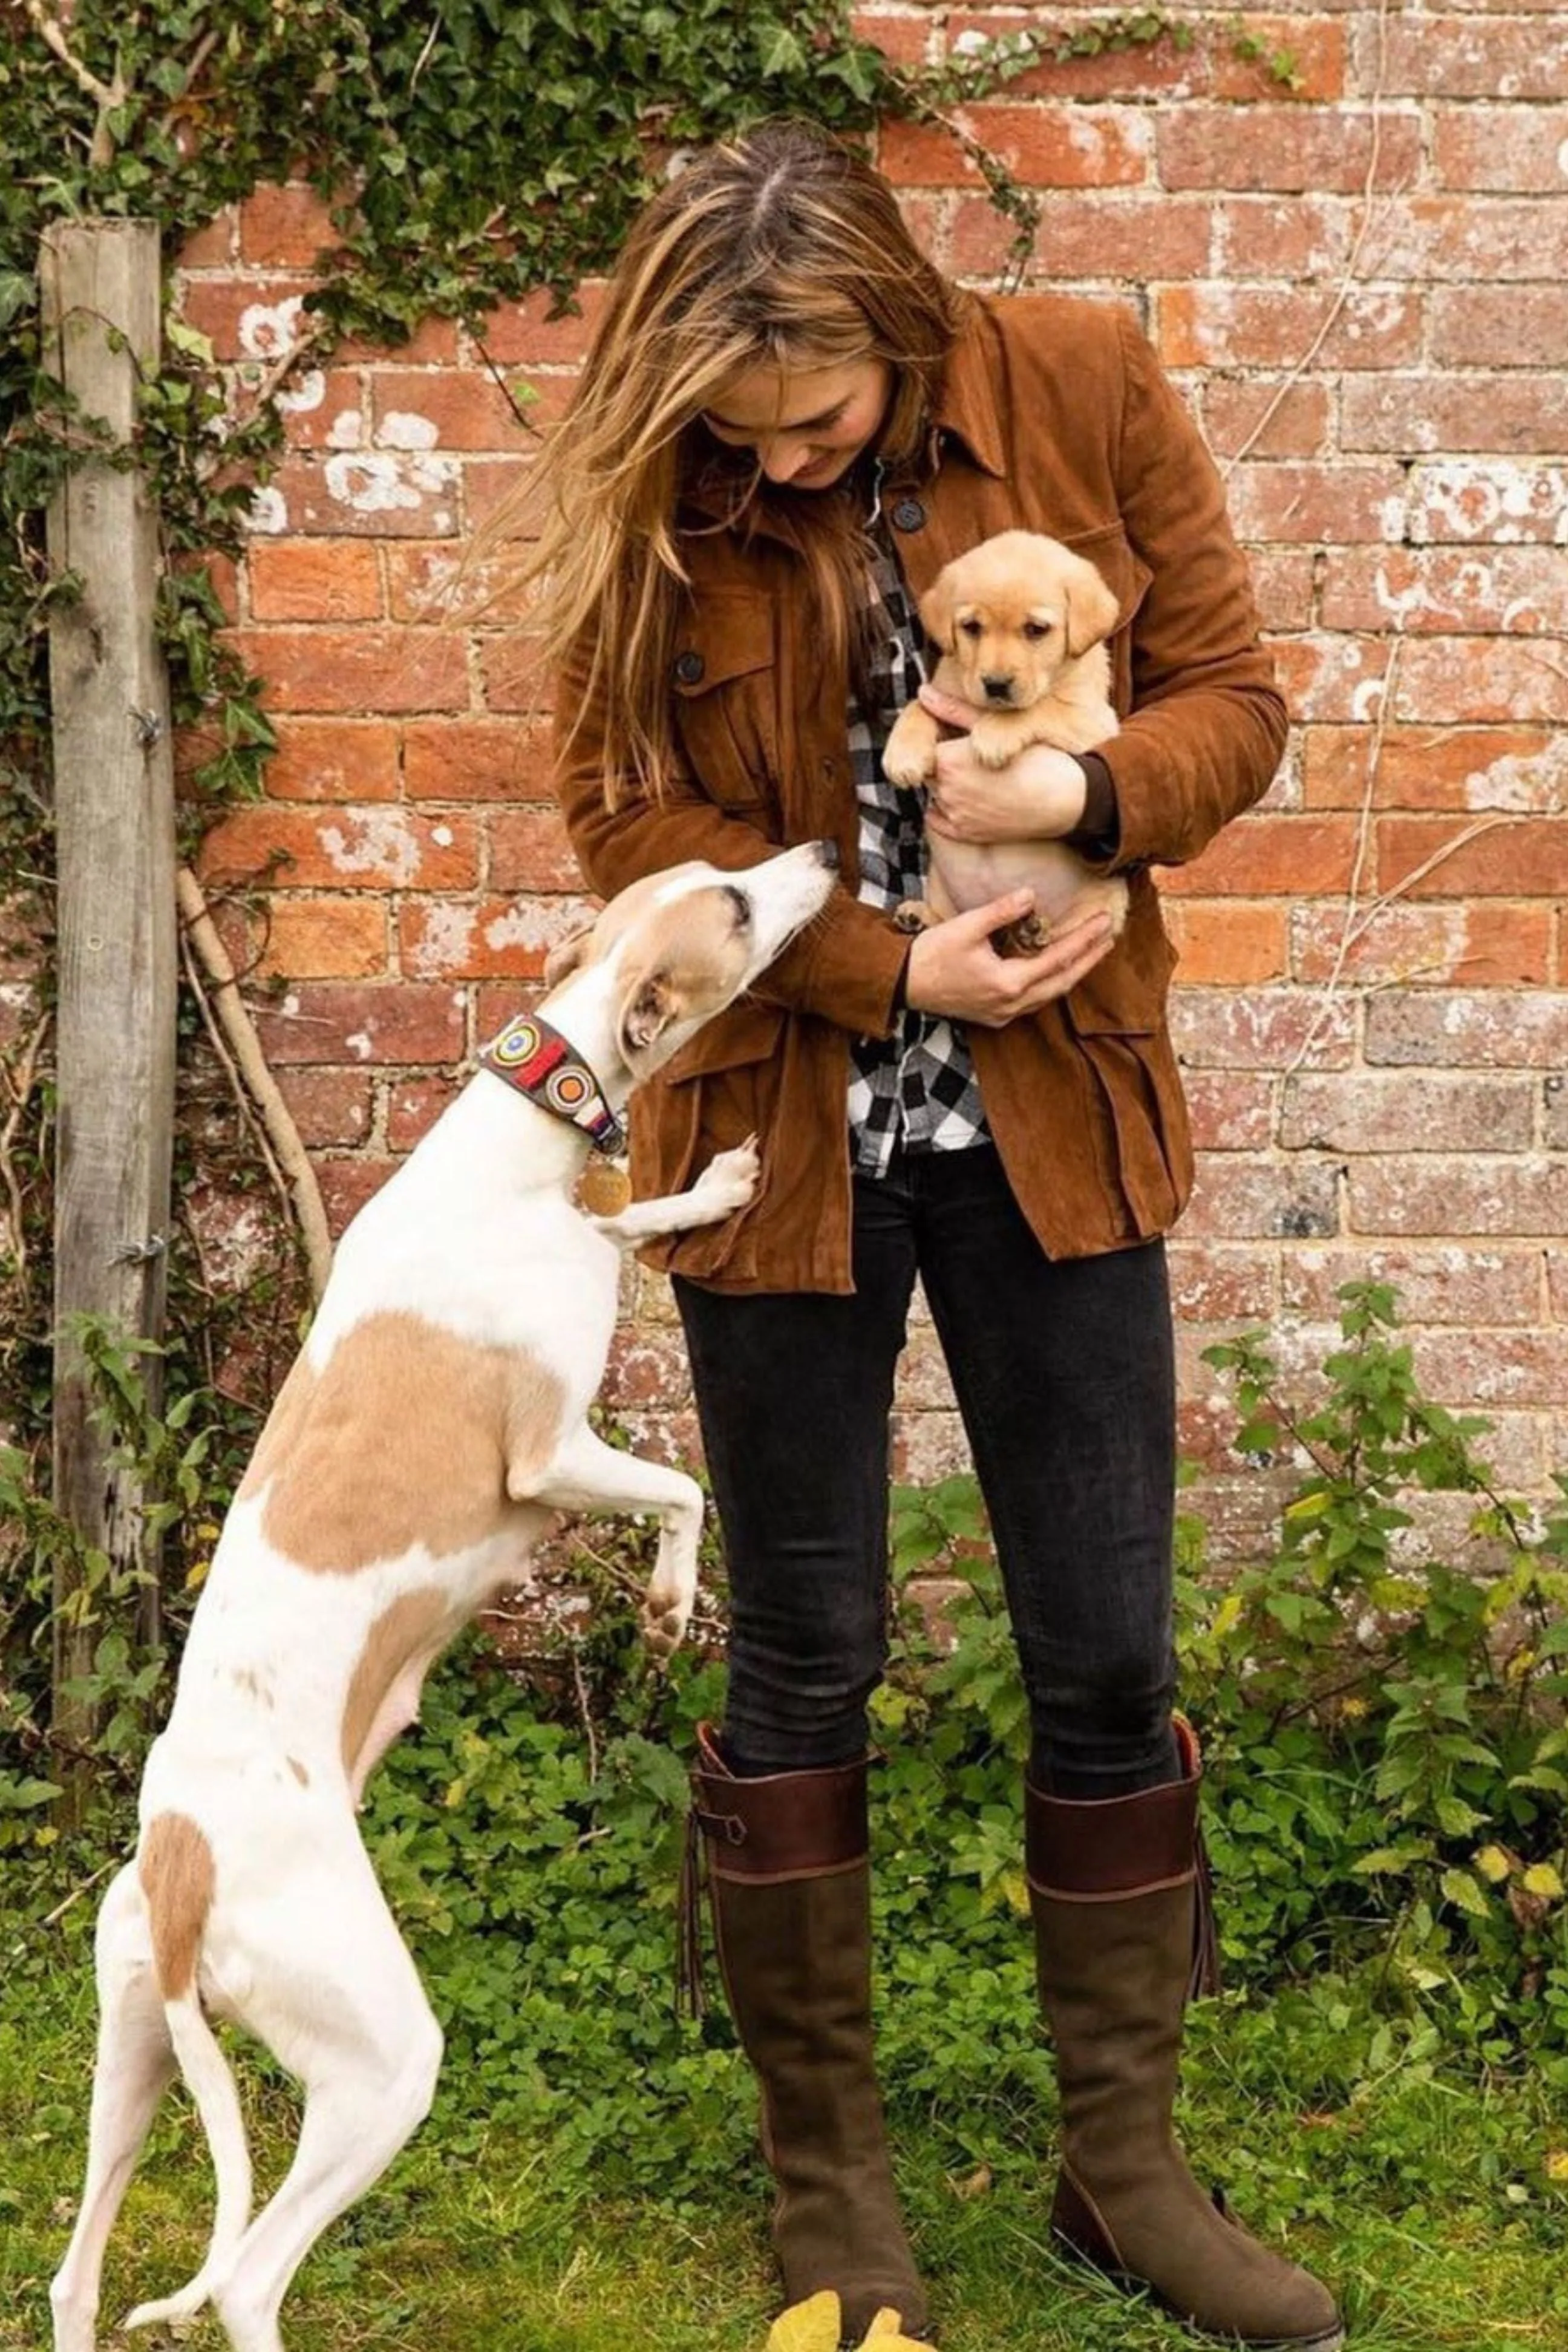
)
(1557, 2164)
(1493, 1864)
(885, 2332)
(809, 2327)
(1542, 1879)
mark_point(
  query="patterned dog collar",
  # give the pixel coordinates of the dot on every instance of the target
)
(537, 1060)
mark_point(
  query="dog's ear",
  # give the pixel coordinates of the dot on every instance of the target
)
(650, 1004)
(937, 608)
(1091, 609)
(566, 957)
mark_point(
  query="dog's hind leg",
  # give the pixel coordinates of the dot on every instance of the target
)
(135, 2064)
(339, 2001)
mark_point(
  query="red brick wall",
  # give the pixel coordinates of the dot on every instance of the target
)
(1362, 289)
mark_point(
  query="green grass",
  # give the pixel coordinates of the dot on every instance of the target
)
(1427, 2200)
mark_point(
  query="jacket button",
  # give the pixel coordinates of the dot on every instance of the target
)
(689, 668)
(909, 515)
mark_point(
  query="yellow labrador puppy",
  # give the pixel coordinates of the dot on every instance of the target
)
(1022, 624)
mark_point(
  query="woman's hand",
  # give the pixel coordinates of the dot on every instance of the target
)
(954, 970)
(1036, 796)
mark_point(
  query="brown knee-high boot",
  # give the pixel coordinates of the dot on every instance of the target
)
(789, 1877)
(1118, 1892)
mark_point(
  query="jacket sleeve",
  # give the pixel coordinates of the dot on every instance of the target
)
(1208, 726)
(845, 968)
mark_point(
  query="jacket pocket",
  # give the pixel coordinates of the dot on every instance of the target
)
(1128, 577)
(717, 1090)
(1125, 995)
(1134, 1103)
(725, 679)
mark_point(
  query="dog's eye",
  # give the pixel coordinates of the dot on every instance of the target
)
(970, 628)
(740, 906)
(1037, 628)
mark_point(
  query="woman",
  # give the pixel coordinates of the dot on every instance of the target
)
(788, 422)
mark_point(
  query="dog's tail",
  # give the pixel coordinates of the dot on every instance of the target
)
(175, 1867)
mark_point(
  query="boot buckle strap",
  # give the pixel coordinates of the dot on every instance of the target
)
(725, 1829)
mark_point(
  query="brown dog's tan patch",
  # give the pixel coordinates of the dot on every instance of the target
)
(408, 1436)
(409, 1628)
(175, 1868)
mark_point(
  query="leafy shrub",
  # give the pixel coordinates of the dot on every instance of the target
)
(1384, 1742)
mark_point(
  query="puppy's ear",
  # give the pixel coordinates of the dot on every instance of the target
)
(1092, 610)
(650, 1006)
(566, 957)
(937, 610)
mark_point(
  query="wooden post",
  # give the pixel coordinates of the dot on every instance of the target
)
(114, 811)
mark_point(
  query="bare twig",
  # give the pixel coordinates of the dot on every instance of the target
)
(1353, 265)
(88, 1883)
(586, 1711)
(287, 1156)
(108, 96)
(20, 1085)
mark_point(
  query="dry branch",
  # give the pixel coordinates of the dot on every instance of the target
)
(282, 1135)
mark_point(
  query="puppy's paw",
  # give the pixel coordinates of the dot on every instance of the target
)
(1026, 936)
(906, 767)
(913, 915)
(992, 742)
(731, 1179)
(908, 755)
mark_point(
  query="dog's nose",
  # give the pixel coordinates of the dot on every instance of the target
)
(827, 854)
(997, 689)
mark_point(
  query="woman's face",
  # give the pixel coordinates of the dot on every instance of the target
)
(806, 425)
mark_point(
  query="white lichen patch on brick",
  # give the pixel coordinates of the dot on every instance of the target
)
(346, 430)
(1492, 498)
(533, 923)
(306, 393)
(359, 1043)
(1365, 700)
(268, 512)
(442, 835)
(445, 942)
(404, 429)
(269, 331)
(378, 481)
(234, 1235)
(1538, 783)
(380, 842)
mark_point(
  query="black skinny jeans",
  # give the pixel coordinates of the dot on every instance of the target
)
(1064, 1374)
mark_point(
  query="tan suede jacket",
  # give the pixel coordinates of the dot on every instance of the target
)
(1055, 418)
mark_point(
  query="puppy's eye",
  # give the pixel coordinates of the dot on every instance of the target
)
(970, 628)
(740, 906)
(1037, 628)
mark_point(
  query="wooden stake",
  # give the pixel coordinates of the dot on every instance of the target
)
(118, 961)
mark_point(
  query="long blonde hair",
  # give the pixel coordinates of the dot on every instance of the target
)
(779, 248)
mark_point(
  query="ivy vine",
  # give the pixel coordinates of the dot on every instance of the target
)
(472, 152)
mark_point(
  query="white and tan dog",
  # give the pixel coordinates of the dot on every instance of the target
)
(1022, 622)
(437, 1417)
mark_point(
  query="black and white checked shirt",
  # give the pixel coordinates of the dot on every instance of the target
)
(917, 1086)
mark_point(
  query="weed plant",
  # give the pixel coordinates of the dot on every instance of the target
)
(1384, 1741)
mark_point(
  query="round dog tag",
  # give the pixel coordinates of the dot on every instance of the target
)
(603, 1188)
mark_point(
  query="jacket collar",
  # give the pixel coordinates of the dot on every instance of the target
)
(967, 404)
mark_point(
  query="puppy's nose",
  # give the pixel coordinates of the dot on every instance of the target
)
(827, 854)
(997, 689)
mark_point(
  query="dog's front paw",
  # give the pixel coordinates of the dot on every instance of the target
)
(992, 742)
(667, 1607)
(908, 755)
(906, 767)
(731, 1179)
(913, 915)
